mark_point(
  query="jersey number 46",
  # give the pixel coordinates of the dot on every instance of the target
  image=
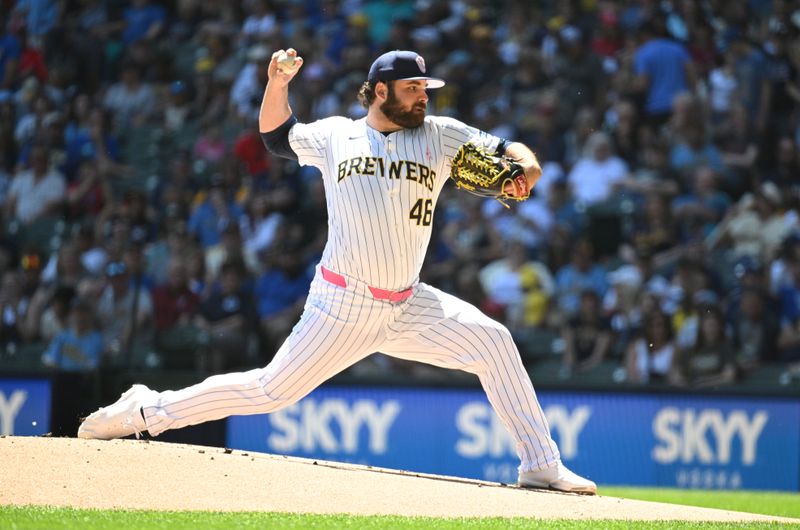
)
(422, 212)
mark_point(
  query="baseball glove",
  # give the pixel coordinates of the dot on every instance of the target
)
(485, 174)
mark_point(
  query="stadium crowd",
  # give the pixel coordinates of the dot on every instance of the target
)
(145, 224)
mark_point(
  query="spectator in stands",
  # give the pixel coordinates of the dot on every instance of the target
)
(228, 316)
(124, 328)
(216, 212)
(578, 72)
(381, 15)
(260, 23)
(739, 149)
(529, 224)
(178, 109)
(652, 173)
(608, 41)
(624, 131)
(698, 211)
(280, 294)
(89, 194)
(79, 347)
(36, 192)
(596, 173)
(245, 95)
(143, 20)
(175, 305)
(30, 265)
(747, 273)
(587, 335)
(10, 52)
(230, 247)
(710, 361)
(692, 283)
(134, 259)
(211, 146)
(580, 274)
(779, 272)
(66, 268)
(131, 101)
(88, 28)
(91, 138)
(649, 357)
(175, 196)
(782, 168)
(755, 330)
(32, 65)
(196, 268)
(780, 92)
(48, 313)
(749, 68)
(248, 148)
(663, 69)
(13, 311)
(6, 157)
(694, 149)
(655, 228)
(755, 226)
(789, 338)
(569, 216)
(576, 137)
(263, 222)
(518, 288)
(722, 88)
(176, 244)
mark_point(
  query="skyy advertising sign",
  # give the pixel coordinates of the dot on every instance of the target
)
(656, 440)
(24, 407)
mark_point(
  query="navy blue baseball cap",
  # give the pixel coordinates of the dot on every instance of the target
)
(401, 65)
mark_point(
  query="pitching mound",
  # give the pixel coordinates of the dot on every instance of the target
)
(161, 476)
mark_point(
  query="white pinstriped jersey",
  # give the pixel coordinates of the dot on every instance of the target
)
(381, 191)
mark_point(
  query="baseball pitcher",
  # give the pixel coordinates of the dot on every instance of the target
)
(382, 176)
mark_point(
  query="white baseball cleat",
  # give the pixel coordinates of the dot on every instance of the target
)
(122, 418)
(557, 478)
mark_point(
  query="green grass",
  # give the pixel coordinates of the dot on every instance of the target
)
(766, 502)
(48, 518)
(35, 517)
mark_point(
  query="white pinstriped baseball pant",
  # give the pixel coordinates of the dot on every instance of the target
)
(339, 327)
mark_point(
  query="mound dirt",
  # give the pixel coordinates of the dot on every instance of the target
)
(135, 474)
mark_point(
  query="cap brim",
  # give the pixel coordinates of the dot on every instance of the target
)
(432, 82)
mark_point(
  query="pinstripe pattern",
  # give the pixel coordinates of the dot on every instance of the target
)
(372, 181)
(370, 234)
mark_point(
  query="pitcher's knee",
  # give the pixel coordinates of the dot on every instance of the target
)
(501, 336)
(279, 398)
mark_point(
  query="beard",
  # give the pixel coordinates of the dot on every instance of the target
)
(396, 113)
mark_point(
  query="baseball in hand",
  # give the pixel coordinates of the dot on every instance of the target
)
(286, 63)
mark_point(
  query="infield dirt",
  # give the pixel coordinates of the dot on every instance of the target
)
(136, 474)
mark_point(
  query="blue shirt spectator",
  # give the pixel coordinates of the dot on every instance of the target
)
(79, 347)
(83, 147)
(142, 19)
(10, 50)
(212, 216)
(695, 151)
(789, 339)
(578, 276)
(663, 62)
(40, 15)
(278, 289)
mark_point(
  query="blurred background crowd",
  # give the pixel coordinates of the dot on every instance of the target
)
(145, 225)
